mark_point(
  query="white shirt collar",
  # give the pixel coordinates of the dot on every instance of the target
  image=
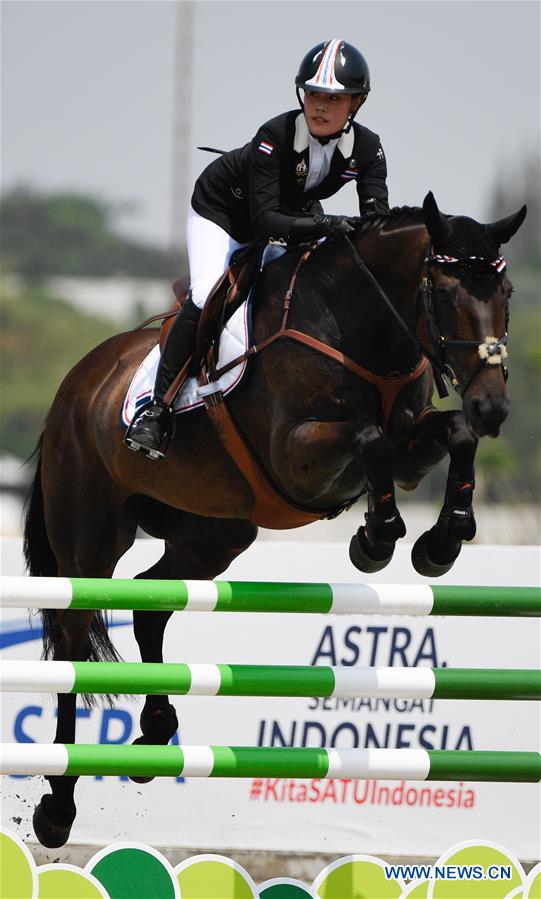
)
(302, 135)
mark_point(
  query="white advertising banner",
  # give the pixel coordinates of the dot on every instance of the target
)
(336, 816)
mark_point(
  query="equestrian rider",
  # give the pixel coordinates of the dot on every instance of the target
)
(270, 189)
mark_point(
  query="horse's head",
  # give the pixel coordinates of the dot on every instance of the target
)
(466, 300)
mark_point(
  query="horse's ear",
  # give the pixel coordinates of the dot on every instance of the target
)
(503, 230)
(438, 226)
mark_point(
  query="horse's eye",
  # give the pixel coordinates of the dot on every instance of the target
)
(445, 294)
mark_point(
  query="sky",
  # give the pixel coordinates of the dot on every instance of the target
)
(94, 94)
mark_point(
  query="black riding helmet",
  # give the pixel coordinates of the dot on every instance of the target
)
(334, 67)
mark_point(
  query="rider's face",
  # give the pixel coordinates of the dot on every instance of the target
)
(327, 113)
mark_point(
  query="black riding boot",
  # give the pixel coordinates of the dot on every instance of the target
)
(151, 431)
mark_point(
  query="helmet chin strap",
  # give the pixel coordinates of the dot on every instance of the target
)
(345, 130)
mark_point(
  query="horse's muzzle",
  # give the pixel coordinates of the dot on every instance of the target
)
(486, 414)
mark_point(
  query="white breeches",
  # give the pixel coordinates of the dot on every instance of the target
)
(209, 251)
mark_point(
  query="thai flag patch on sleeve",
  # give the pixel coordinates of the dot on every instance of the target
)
(265, 147)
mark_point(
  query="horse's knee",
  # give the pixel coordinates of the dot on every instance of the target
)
(458, 434)
(367, 435)
(372, 446)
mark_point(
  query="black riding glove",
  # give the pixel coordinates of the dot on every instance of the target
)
(335, 224)
(373, 206)
(314, 226)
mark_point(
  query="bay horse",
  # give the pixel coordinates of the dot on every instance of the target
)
(409, 285)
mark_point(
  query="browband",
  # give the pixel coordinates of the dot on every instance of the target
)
(498, 263)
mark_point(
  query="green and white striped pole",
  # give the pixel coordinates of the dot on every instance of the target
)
(260, 762)
(255, 596)
(269, 680)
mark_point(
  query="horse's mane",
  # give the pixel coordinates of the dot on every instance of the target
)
(394, 218)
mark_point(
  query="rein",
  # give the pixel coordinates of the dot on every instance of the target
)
(492, 352)
(437, 367)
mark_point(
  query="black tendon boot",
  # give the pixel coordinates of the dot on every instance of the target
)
(152, 430)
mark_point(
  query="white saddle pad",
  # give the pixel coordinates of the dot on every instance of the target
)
(233, 342)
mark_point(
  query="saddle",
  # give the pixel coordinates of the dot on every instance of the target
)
(229, 292)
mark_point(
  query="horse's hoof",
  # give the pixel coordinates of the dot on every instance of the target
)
(144, 741)
(52, 829)
(368, 558)
(157, 731)
(422, 557)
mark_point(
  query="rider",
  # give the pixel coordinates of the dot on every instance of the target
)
(270, 189)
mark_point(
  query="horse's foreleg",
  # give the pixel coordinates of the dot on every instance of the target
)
(447, 432)
(372, 547)
(436, 550)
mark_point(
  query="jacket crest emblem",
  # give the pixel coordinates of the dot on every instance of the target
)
(301, 171)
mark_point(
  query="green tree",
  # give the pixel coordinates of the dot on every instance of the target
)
(74, 234)
(41, 339)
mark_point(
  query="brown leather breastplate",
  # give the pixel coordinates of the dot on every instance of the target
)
(270, 509)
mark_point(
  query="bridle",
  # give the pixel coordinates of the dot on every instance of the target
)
(493, 351)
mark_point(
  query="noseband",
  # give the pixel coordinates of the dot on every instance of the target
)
(493, 351)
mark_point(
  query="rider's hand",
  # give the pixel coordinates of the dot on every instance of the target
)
(373, 206)
(312, 227)
(335, 224)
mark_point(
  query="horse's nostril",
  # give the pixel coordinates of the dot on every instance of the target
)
(487, 413)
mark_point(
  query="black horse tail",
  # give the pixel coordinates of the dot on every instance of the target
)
(41, 562)
(38, 554)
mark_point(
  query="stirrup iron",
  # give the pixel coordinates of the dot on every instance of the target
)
(152, 410)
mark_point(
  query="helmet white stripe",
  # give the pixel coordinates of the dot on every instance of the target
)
(325, 76)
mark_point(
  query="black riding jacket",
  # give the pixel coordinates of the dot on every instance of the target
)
(257, 191)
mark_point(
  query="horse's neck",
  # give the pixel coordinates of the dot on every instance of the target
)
(396, 259)
(367, 326)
